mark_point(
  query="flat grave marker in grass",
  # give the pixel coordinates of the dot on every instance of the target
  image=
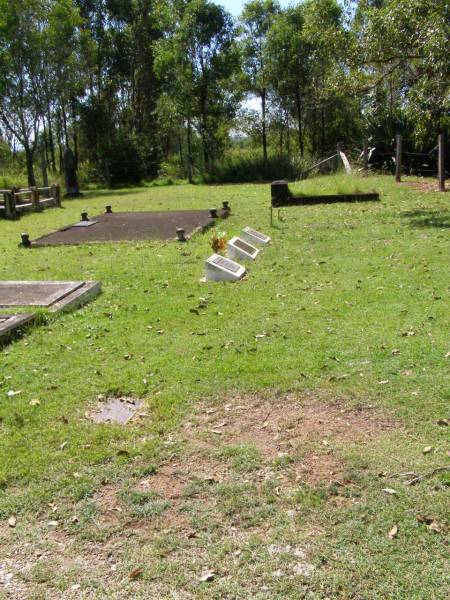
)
(52, 295)
(130, 226)
(116, 410)
(10, 324)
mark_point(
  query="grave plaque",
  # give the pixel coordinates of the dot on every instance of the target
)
(239, 249)
(255, 237)
(218, 268)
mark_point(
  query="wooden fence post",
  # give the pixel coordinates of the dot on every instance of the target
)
(441, 162)
(398, 158)
(56, 193)
(365, 157)
(34, 196)
(10, 205)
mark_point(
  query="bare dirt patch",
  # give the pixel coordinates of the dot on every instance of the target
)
(307, 428)
(422, 186)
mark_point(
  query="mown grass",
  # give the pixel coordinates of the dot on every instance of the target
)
(353, 302)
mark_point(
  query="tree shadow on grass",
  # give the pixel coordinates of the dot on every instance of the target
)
(439, 218)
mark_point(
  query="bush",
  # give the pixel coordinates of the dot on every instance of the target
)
(122, 161)
(240, 167)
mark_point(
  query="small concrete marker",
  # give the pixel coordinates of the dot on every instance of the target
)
(218, 268)
(238, 249)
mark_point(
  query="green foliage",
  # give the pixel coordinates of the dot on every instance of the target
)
(249, 166)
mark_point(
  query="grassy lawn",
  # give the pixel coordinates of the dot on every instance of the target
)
(277, 411)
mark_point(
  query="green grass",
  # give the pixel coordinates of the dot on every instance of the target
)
(348, 296)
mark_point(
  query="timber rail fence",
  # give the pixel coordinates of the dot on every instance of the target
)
(16, 201)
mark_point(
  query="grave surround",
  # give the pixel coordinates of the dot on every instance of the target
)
(130, 226)
(9, 324)
(51, 295)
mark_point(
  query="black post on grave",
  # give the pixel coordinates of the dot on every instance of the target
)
(279, 194)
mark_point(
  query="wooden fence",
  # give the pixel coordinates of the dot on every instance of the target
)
(16, 201)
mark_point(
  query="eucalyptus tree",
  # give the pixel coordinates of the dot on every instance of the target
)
(404, 61)
(20, 41)
(197, 62)
(289, 63)
(257, 19)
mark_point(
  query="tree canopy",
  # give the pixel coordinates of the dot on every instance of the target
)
(141, 88)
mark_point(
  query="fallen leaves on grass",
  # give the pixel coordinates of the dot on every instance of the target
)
(135, 573)
(393, 532)
(207, 576)
(390, 491)
(12, 521)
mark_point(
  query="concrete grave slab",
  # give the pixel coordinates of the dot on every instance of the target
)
(117, 410)
(52, 295)
(131, 226)
(9, 324)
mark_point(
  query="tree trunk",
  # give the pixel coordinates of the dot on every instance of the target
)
(189, 150)
(50, 141)
(322, 131)
(298, 102)
(264, 134)
(30, 168)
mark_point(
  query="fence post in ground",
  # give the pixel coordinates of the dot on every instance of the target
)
(10, 205)
(56, 194)
(34, 196)
(365, 157)
(441, 162)
(398, 158)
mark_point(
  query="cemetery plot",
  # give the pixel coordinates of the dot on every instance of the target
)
(9, 324)
(281, 196)
(52, 295)
(130, 226)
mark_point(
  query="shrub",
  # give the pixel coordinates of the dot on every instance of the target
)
(241, 166)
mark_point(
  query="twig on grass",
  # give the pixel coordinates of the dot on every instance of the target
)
(429, 474)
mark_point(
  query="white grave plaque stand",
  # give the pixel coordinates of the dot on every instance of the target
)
(238, 249)
(218, 268)
(255, 237)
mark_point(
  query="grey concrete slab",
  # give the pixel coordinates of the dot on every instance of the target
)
(9, 324)
(117, 410)
(52, 295)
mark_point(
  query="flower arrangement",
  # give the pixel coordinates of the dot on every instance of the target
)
(218, 241)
